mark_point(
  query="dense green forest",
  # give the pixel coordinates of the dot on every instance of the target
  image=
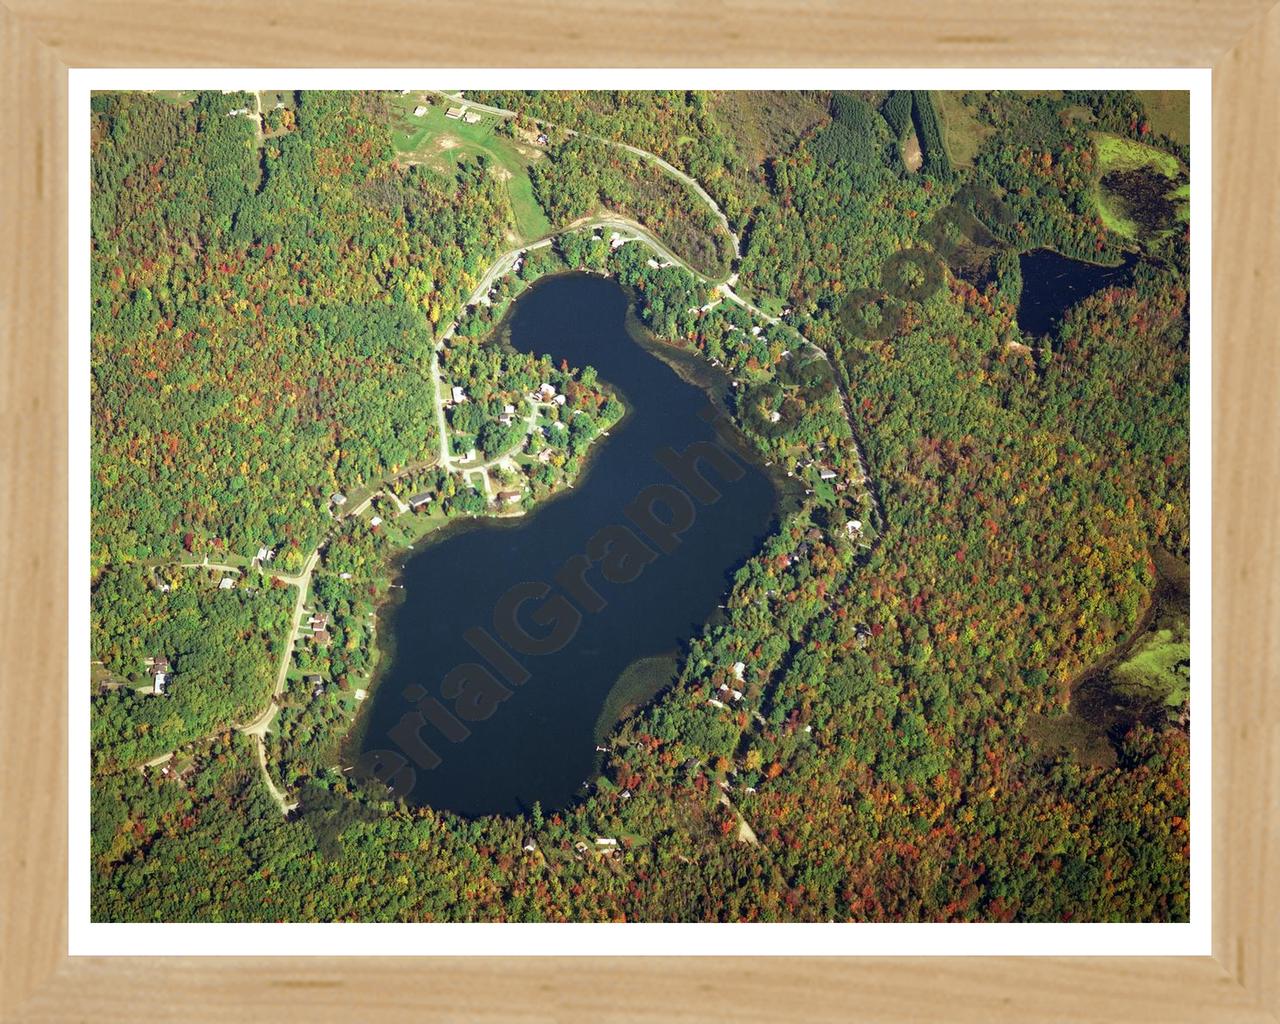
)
(262, 313)
(262, 316)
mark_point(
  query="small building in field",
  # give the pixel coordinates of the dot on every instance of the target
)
(826, 473)
(338, 498)
(375, 522)
(471, 117)
(542, 139)
(419, 110)
(605, 841)
(417, 501)
(454, 113)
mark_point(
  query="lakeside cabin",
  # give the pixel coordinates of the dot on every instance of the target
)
(509, 497)
(417, 501)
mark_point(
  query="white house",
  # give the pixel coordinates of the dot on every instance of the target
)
(739, 668)
(159, 668)
(459, 395)
(375, 522)
(419, 110)
(226, 583)
(606, 841)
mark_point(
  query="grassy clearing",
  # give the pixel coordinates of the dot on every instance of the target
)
(1120, 154)
(442, 143)
(1169, 113)
(962, 133)
(1159, 665)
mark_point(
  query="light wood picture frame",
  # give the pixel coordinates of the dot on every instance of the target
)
(41, 39)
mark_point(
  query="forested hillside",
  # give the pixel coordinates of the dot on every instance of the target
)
(899, 647)
(262, 316)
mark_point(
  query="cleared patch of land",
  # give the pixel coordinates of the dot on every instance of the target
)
(962, 132)
(912, 155)
(442, 143)
(1169, 113)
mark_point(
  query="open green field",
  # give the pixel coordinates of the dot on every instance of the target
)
(1120, 154)
(442, 143)
(1169, 113)
(962, 133)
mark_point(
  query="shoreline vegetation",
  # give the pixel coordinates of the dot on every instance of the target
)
(931, 594)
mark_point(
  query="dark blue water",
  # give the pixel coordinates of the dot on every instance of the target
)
(1053, 283)
(534, 739)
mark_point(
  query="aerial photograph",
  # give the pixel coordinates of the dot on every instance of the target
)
(639, 506)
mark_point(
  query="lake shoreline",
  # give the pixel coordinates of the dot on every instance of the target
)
(713, 386)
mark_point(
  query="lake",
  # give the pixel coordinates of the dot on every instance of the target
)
(511, 727)
(1052, 283)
